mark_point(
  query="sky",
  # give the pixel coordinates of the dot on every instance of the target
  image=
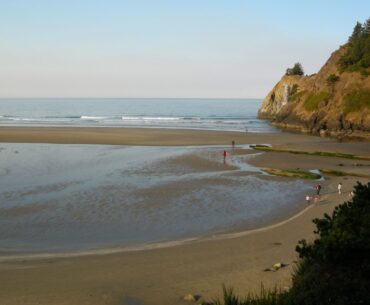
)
(177, 48)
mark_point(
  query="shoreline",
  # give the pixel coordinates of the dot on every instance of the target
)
(135, 136)
(163, 275)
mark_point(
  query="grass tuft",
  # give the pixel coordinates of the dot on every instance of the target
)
(313, 100)
(341, 174)
(292, 173)
(310, 153)
(357, 100)
(265, 297)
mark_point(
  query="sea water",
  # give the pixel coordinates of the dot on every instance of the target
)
(211, 114)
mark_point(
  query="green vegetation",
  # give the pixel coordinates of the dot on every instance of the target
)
(333, 269)
(257, 146)
(292, 173)
(311, 153)
(331, 80)
(293, 93)
(357, 100)
(341, 173)
(333, 172)
(357, 57)
(296, 96)
(313, 101)
(296, 70)
(265, 297)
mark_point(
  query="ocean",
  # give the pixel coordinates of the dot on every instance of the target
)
(208, 114)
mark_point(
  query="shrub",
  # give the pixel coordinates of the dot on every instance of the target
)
(335, 268)
(332, 79)
(313, 100)
(296, 70)
(357, 56)
(357, 100)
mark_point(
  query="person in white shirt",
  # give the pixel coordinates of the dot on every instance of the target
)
(340, 188)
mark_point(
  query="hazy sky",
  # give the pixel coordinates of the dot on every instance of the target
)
(177, 48)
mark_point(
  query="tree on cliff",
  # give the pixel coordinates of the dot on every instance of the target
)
(296, 70)
(357, 56)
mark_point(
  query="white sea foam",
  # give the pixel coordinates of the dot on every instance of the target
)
(211, 114)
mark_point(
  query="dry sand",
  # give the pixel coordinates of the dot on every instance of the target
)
(163, 275)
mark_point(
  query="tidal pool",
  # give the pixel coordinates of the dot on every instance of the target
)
(56, 197)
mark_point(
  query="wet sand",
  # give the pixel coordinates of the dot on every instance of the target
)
(165, 273)
(144, 136)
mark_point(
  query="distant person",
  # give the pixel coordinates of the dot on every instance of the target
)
(340, 188)
(350, 194)
(317, 199)
(318, 189)
(225, 154)
(308, 199)
(233, 144)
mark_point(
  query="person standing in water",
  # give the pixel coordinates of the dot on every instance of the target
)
(318, 189)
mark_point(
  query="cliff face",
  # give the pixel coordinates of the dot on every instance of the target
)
(312, 104)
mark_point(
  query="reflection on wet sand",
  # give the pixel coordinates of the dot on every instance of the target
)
(78, 197)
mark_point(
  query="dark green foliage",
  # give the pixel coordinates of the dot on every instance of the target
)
(357, 57)
(357, 100)
(335, 268)
(293, 93)
(293, 90)
(296, 70)
(332, 79)
(265, 297)
(313, 101)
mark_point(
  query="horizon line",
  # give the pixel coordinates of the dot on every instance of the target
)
(153, 98)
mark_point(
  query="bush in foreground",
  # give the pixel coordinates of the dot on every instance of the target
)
(335, 268)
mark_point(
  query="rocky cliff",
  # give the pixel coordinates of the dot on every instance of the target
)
(326, 103)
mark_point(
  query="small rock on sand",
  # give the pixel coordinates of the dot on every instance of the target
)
(276, 267)
(191, 297)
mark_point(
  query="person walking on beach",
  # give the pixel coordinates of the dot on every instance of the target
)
(350, 194)
(308, 199)
(233, 144)
(225, 154)
(318, 189)
(340, 188)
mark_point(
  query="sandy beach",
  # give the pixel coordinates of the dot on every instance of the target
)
(163, 273)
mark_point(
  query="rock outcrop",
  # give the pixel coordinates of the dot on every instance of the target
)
(313, 104)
